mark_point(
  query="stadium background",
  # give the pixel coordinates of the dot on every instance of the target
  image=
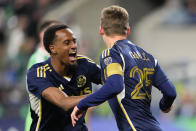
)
(165, 28)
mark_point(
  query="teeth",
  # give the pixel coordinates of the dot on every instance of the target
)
(72, 54)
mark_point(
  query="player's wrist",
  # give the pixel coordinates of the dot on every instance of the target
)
(80, 106)
(163, 106)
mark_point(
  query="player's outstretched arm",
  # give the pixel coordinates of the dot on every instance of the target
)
(112, 87)
(60, 99)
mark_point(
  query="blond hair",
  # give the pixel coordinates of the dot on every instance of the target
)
(114, 20)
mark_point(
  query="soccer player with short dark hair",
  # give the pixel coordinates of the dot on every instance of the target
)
(38, 56)
(128, 73)
(55, 85)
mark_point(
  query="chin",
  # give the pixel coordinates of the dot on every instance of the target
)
(73, 63)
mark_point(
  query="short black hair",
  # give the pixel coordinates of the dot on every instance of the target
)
(50, 33)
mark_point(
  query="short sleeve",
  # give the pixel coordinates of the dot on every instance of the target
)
(36, 83)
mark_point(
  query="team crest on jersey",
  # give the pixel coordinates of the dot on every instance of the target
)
(108, 60)
(81, 80)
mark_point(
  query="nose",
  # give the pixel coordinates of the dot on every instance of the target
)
(73, 45)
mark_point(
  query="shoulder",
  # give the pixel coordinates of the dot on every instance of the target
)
(110, 52)
(39, 70)
(146, 54)
(141, 54)
(82, 58)
(87, 64)
(110, 56)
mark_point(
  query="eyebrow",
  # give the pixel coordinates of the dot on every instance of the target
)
(70, 39)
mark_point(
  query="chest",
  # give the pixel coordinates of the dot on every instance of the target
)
(79, 84)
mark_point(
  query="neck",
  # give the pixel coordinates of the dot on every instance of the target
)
(111, 40)
(59, 67)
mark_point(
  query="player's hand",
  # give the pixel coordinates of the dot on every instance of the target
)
(168, 110)
(65, 94)
(75, 115)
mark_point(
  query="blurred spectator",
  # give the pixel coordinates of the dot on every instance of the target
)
(175, 13)
(187, 107)
(190, 5)
(2, 46)
(16, 36)
(180, 12)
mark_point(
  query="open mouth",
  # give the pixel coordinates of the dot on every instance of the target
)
(72, 56)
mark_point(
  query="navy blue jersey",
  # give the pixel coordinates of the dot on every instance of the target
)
(140, 71)
(46, 116)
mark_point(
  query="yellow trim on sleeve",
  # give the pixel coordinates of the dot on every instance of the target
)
(47, 68)
(44, 73)
(84, 57)
(38, 72)
(108, 52)
(45, 65)
(41, 73)
(114, 68)
(105, 53)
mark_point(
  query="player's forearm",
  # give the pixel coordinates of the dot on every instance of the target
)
(112, 86)
(166, 102)
(69, 102)
(169, 95)
(60, 99)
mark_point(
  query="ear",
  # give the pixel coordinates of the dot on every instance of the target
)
(128, 31)
(52, 49)
(101, 31)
